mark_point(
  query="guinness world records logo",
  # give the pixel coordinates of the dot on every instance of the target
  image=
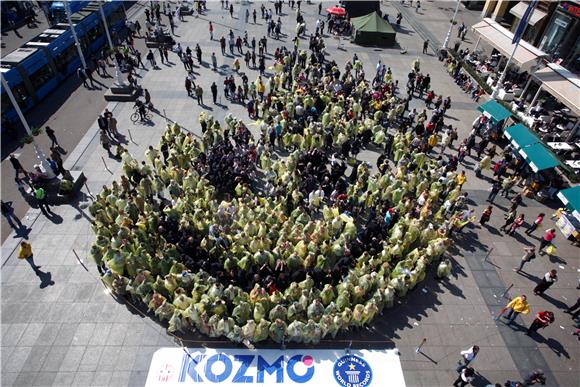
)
(352, 371)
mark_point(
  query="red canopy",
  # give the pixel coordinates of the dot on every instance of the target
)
(338, 11)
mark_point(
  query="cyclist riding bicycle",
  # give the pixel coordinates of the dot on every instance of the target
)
(141, 108)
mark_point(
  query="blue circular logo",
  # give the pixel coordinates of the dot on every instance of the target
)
(352, 371)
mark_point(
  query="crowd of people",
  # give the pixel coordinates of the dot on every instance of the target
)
(225, 236)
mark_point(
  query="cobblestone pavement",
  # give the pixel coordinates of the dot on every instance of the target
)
(70, 332)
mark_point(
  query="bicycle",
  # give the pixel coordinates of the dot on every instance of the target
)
(136, 117)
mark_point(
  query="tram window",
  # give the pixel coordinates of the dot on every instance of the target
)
(94, 33)
(65, 57)
(6, 104)
(19, 93)
(42, 76)
(115, 17)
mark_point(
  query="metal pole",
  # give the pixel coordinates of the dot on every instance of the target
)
(535, 98)
(477, 44)
(74, 32)
(39, 154)
(446, 42)
(118, 79)
(418, 349)
(504, 73)
(528, 83)
(106, 26)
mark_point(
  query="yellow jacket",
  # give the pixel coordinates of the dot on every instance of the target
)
(519, 305)
(25, 251)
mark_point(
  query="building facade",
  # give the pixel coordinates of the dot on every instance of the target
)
(554, 27)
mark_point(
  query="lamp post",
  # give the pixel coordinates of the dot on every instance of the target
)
(45, 166)
(446, 42)
(504, 73)
(74, 32)
(118, 78)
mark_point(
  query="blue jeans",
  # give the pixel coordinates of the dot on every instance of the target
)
(511, 316)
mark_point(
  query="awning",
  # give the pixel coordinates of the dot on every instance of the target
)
(525, 57)
(492, 109)
(538, 157)
(562, 84)
(520, 8)
(520, 136)
(571, 199)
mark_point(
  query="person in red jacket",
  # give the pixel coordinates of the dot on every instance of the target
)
(547, 239)
(536, 223)
(542, 320)
(516, 224)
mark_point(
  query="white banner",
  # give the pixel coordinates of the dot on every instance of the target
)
(202, 367)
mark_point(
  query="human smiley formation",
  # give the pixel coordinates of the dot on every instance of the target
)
(226, 237)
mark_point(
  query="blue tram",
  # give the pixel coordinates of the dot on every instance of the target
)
(38, 67)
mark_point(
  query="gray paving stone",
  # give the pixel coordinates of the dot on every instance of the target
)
(120, 379)
(138, 378)
(13, 361)
(25, 379)
(101, 333)
(109, 358)
(8, 378)
(48, 334)
(102, 378)
(44, 379)
(91, 358)
(73, 358)
(54, 359)
(83, 379)
(11, 333)
(83, 334)
(64, 379)
(117, 334)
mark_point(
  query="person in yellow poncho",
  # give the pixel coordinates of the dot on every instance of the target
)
(516, 306)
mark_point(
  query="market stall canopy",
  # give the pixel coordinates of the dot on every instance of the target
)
(525, 57)
(520, 8)
(373, 30)
(520, 136)
(571, 199)
(538, 157)
(338, 11)
(492, 109)
(562, 84)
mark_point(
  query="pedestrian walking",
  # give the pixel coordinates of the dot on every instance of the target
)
(542, 320)
(214, 61)
(106, 142)
(214, 90)
(575, 307)
(223, 45)
(549, 279)
(151, 58)
(232, 11)
(547, 239)
(518, 222)
(199, 95)
(536, 224)
(465, 377)
(468, 355)
(516, 201)
(418, 6)
(530, 253)
(25, 252)
(8, 212)
(51, 135)
(486, 215)
(55, 156)
(83, 77)
(425, 46)
(40, 196)
(210, 31)
(188, 86)
(112, 125)
(510, 216)
(515, 307)
(18, 168)
(495, 188)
